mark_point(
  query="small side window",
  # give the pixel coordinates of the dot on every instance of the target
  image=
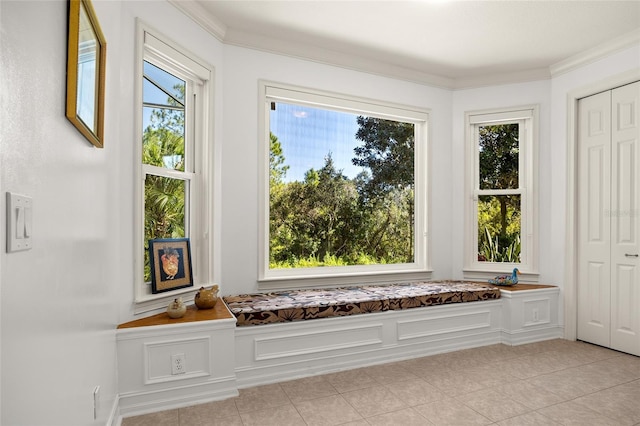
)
(173, 187)
(501, 224)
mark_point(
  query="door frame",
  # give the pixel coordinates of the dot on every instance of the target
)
(571, 242)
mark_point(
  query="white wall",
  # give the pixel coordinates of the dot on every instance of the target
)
(243, 69)
(62, 300)
(59, 300)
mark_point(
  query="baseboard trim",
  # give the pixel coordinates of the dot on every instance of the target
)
(522, 337)
(138, 403)
(114, 416)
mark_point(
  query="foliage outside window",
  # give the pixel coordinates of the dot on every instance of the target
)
(342, 186)
(166, 182)
(173, 127)
(501, 212)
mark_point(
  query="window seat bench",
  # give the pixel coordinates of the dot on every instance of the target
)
(298, 305)
(289, 334)
(398, 322)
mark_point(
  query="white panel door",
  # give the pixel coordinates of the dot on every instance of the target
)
(594, 229)
(625, 217)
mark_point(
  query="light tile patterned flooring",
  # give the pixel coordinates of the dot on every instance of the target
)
(556, 382)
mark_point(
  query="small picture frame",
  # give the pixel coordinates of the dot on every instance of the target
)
(170, 261)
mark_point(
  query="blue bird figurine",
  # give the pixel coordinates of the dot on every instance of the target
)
(506, 279)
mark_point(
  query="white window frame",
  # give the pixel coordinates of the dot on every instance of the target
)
(161, 51)
(527, 118)
(335, 276)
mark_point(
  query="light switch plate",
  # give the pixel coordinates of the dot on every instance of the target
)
(19, 226)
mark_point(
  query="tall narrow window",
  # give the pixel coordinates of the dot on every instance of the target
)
(501, 222)
(167, 174)
(173, 135)
(342, 189)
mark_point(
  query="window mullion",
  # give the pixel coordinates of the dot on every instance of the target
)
(518, 191)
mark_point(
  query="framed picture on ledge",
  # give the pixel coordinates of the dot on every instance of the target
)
(170, 264)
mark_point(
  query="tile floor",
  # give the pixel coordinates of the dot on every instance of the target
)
(556, 382)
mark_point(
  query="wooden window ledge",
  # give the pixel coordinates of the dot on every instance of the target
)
(193, 314)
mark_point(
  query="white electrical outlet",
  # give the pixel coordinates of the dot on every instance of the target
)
(178, 365)
(535, 315)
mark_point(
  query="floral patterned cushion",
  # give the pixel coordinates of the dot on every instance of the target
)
(297, 305)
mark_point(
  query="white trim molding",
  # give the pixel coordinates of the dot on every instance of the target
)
(203, 18)
(592, 55)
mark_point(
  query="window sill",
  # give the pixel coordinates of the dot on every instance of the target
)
(269, 284)
(151, 302)
(484, 275)
(192, 315)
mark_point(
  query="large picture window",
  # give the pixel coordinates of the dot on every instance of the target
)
(174, 184)
(344, 188)
(501, 177)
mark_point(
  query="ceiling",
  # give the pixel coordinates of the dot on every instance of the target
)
(454, 44)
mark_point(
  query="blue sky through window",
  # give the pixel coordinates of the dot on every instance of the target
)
(308, 134)
(162, 89)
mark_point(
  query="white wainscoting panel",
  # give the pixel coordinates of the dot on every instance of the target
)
(157, 359)
(221, 358)
(444, 324)
(285, 351)
(530, 316)
(144, 365)
(536, 312)
(327, 340)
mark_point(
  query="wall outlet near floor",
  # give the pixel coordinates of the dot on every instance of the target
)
(178, 365)
(96, 401)
(535, 316)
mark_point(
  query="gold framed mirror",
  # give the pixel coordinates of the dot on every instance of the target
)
(86, 61)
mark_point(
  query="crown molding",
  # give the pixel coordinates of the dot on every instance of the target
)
(596, 53)
(373, 66)
(498, 79)
(201, 17)
(319, 54)
(334, 58)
